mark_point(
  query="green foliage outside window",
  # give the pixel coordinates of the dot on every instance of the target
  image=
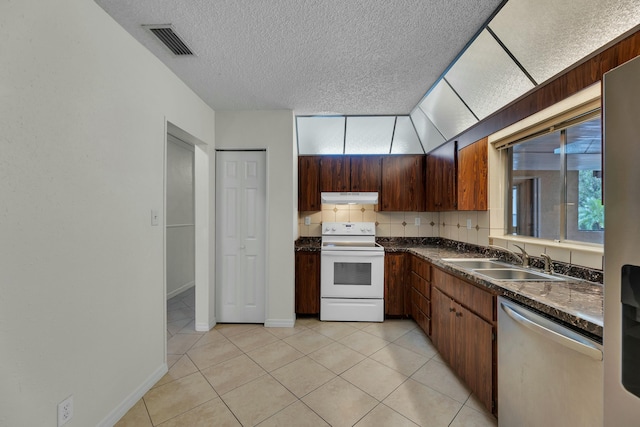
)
(590, 207)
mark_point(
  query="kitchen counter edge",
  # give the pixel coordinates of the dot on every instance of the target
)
(576, 303)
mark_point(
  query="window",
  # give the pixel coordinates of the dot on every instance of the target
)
(556, 184)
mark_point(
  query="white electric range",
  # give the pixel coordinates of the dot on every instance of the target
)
(351, 273)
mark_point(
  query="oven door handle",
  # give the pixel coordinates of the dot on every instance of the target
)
(350, 253)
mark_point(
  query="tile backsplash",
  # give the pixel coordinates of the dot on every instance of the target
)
(468, 227)
(464, 226)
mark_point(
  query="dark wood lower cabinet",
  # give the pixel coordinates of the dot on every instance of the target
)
(474, 338)
(420, 293)
(307, 265)
(464, 338)
(394, 284)
(442, 328)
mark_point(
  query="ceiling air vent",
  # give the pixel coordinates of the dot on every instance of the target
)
(168, 36)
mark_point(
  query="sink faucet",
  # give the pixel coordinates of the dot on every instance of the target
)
(548, 266)
(524, 259)
(525, 256)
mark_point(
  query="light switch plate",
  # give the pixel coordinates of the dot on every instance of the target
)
(469, 224)
(155, 217)
(417, 221)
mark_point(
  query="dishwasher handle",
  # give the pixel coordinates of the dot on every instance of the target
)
(557, 335)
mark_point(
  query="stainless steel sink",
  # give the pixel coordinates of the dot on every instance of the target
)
(475, 263)
(498, 270)
(516, 274)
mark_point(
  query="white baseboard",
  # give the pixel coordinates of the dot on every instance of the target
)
(279, 323)
(203, 327)
(180, 290)
(119, 411)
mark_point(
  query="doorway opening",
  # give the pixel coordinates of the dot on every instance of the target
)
(194, 233)
(179, 221)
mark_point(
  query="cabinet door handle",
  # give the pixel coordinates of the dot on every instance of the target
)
(451, 309)
(458, 314)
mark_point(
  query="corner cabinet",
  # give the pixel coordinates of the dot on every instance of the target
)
(463, 331)
(403, 186)
(307, 282)
(441, 178)
(473, 169)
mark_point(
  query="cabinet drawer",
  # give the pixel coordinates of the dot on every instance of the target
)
(423, 303)
(421, 267)
(472, 297)
(422, 319)
(421, 285)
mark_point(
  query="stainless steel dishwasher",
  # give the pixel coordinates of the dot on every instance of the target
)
(548, 375)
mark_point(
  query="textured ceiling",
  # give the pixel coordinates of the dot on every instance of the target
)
(310, 56)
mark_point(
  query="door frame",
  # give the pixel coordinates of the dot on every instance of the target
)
(266, 223)
(205, 292)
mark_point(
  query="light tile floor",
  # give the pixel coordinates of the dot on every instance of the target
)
(315, 374)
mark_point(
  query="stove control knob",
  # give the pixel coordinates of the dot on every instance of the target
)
(362, 229)
(369, 229)
(333, 229)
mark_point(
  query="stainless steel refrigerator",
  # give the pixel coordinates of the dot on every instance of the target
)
(621, 129)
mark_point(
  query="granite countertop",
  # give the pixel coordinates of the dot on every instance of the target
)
(575, 302)
(308, 244)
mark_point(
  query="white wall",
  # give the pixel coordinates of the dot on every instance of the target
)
(82, 305)
(179, 218)
(273, 131)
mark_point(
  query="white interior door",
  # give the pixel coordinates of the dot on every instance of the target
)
(240, 236)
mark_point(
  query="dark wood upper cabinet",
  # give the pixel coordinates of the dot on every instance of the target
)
(309, 183)
(472, 176)
(403, 187)
(335, 173)
(399, 177)
(366, 173)
(441, 178)
(432, 180)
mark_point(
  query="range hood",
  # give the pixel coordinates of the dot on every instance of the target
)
(349, 198)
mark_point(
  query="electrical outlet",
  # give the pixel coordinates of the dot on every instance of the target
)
(469, 224)
(307, 220)
(65, 411)
(417, 221)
